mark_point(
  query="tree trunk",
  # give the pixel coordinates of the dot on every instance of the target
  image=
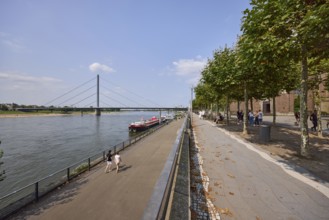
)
(251, 105)
(245, 116)
(318, 108)
(304, 147)
(227, 110)
(274, 111)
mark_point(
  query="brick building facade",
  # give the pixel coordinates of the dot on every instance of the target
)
(285, 103)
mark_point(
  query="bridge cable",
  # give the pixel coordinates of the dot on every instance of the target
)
(90, 104)
(84, 99)
(132, 92)
(106, 104)
(123, 96)
(70, 91)
(77, 95)
(114, 100)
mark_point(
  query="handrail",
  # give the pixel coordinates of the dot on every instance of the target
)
(157, 206)
(29, 193)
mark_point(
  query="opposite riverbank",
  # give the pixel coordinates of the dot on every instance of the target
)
(25, 115)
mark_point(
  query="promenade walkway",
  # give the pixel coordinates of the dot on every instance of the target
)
(99, 195)
(246, 183)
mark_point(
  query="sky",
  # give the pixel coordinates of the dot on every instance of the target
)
(147, 53)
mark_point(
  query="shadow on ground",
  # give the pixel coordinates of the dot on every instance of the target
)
(285, 143)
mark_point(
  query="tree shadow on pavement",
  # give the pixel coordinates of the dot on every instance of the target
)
(285, 143)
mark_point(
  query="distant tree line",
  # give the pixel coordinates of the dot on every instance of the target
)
(284, 46)
(14, 106)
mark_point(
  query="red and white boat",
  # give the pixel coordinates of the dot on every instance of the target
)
(143, 124)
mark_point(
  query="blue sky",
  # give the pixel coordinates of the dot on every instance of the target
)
(146, 52)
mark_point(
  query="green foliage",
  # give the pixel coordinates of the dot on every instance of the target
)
(279, 38)
(297, 104)
(318, 73)
(220, 76)
(83, 167)
(278, 33)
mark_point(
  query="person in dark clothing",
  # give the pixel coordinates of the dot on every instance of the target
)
(108, 161)
(297, 117)
(314, 119)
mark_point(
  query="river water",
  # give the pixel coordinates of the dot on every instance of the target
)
(35, 147)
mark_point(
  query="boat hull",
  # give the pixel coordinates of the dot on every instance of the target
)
(143, 125)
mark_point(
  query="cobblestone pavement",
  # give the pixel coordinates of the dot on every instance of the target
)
(202, 206)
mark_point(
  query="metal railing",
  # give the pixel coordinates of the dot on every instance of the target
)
(158, 203)
(32, 192)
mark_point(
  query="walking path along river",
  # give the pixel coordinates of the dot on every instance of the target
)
(248, 186)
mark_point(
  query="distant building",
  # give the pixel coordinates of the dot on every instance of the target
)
(285, 103)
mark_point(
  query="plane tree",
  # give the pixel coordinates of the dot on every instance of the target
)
(247, 74)
(318, 72)
(289, 31)
(220, 76)
(204, 96)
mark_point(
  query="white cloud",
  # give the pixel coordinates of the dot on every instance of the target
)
(10, 42)
(24, 88)
(97, 67)
(188, 67)
(26, 78)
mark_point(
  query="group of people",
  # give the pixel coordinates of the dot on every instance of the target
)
(313, 119)
(117, 160)
(255, 118)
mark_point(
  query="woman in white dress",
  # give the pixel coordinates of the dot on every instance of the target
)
(117, 160)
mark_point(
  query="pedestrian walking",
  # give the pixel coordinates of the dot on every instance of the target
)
(117, 160)
(108, 162)
(314, 119)
(260, 117)
(297, 117)
(251, 118)
(256, 118)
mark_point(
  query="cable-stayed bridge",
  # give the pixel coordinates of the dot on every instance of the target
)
(96, 95)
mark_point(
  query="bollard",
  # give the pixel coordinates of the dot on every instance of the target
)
(265, 133)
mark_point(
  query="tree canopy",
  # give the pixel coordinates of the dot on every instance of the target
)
(282, 42)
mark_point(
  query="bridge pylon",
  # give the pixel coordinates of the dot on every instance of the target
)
(98, 110)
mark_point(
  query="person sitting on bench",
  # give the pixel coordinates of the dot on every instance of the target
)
(219, 118)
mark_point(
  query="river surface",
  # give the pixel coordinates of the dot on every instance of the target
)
(35, 147)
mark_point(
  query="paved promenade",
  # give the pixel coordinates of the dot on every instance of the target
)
(99, 195)
(246, 183)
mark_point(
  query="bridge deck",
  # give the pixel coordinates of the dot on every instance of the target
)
(99, 195)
